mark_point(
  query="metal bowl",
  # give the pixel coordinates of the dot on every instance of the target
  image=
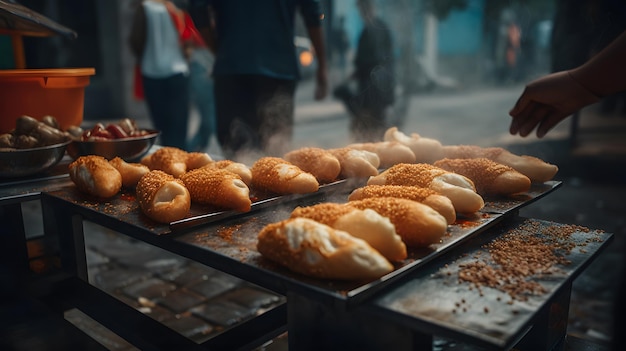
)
(128, 149)
(26, 162)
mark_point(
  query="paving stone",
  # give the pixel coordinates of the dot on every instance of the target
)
(223, 313)
(165, 264)
(116, 277)
(157, 312)
(252, 297)
(215, 285)
(151, 289)
(180, 300)
(191, 327)
(190, 274)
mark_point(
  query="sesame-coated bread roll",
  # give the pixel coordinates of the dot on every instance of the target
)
(389, 152)
(534, 168)
(427, 196)
(131, 172)
(369, 225)
(356, 163)
(459, 189)
(217, 187)
(162, 197)
(314, 249)
(426, 150)
(417, 224)
(195, 160)
(319, 162)
(276, 175)
(235, 167)
(170, 160)
(94, 175)
(490, 177)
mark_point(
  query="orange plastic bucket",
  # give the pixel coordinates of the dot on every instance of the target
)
(43, 92)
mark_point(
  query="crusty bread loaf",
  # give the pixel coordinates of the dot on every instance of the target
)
(389, 152)
(375, 229)
(489, 177)
(131, 172)
(426, 150)
(317, 161)
(438, 202)
(217, 187)
(276, 175)
(162, 197)
(459, 189)
(417, 224)
(317, 250)
(94, 175)
(537, 170)
(356, 163)
(194, 160)
(170, 160)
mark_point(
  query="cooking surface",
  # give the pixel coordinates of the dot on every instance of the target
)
(230, 243)
(435, 295)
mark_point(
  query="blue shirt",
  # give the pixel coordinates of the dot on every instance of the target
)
(256, 36)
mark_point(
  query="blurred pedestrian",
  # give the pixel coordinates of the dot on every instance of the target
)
(256, 69)
(374, 77)
(340, 45)
(163, 70)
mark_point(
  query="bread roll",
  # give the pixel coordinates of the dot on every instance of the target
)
(317, 250)
(131, 171)
(389, 152)
(376, 230)
(537, 170)
(217, 187)
(276, 175)
(194, 160)
(356, 163)
(489, 177)
(170, 160)
(429, 197)
(459, 189)
(319, 162)
(417, 224)
(236, 167)
(162, 197)
(94, 175)
(426, 150)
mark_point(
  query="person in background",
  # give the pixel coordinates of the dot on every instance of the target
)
(374, 75)
(201, 65)
(164, 70)
(341, 45)
(256, 70)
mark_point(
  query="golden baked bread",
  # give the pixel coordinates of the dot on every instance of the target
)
(417, 224)
(426, 150)
(94, 175)
(537, 170)
(131, 172)
(375, 229)
(217, 187)
(489, 177)
(317, 250)
(170, 160)
(356, 163)
(438, 202)
(162, 197)
(319, 162)
(236, 167)
(459, 189)
(194, 160)
(389, 152)
(276, 175)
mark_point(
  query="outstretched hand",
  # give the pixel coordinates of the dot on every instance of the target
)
(547, 101)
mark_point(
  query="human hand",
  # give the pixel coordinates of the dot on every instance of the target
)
(547, 101)
(321, 84)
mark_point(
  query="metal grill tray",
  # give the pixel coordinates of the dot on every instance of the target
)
(229, 244)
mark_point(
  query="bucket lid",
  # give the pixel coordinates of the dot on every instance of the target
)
(52, 72)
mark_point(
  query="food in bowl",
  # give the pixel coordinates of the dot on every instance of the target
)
(32, 133)
(122, 139)
(30, 161)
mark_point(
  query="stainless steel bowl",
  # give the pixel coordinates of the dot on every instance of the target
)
(26, 162)
(128, 149)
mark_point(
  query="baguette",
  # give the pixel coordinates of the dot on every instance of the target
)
(459, 189)
(429, 197)
(489, 177)
(376, 230)
(314, 249)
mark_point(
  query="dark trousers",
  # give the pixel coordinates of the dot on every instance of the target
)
(254, 113)
(168, 105)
